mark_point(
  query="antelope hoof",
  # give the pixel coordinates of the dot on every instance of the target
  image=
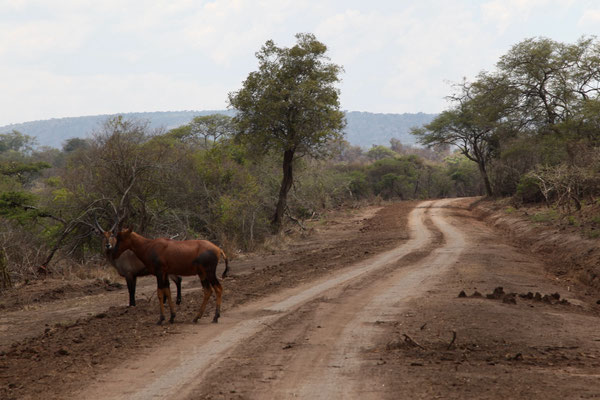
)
(178, 302)
(196, 320)
(215, 320)
(172, 319)
(160, 320)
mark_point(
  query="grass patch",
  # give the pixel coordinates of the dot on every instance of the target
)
(545, 216)
(595, 234)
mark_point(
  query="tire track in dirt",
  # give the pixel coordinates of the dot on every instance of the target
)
(189, 356)
(339, 375)
(317, 352)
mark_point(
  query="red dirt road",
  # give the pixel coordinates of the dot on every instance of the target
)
(359, 309)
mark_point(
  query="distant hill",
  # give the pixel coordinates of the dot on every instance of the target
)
(366, 129)
(363, 128)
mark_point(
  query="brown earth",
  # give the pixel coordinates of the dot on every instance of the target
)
(365, 305)
(56, 334)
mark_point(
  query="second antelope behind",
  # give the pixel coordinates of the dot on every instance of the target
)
(164, 257)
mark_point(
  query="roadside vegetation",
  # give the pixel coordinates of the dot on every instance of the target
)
(196, 181)
(532, 126)
(528, 131)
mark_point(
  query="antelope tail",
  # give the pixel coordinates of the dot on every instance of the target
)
(226, 264)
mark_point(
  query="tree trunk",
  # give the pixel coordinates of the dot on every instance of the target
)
(481, 161)
(486, 179)
(5, 281)
(286, 184)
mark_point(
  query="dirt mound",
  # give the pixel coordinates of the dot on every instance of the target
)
(511, 298)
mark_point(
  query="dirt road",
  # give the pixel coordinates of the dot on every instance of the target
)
(383, 320)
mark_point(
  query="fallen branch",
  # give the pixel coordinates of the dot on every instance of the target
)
(452, 341)
(411, 341)
(289, 215)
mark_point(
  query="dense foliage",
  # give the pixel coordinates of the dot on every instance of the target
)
(192, 182)
(291, 106)
(217, 177)
(532, 125)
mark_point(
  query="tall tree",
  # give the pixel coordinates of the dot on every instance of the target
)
(290, 105)
(552, 78)
(476, 121)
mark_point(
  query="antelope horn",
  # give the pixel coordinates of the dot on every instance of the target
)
(97, 224)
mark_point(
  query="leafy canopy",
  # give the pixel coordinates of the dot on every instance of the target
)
(291, 102)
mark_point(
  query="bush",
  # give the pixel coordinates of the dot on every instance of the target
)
(528, 190)
(359, 186)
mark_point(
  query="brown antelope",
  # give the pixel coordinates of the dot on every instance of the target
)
(165, 257)
(130, 267)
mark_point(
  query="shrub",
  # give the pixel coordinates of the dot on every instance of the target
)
(528, 190)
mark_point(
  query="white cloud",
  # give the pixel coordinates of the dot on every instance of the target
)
(47, 95)
(69, 57)
(504, 13)
(590, 18)
(403, 58)
(229, 29)
(40, 38)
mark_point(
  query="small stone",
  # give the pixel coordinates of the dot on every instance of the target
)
(62, 352)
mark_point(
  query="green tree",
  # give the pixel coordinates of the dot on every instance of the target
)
(551, 78)
(380, 152)
(205, 130)
(16, 141)
(74, 144)
(463, 172)
(290, 105)
(395, 177)
(475, 123)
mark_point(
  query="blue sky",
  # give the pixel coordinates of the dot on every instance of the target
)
(65, 58)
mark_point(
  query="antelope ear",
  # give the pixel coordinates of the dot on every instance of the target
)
(127, 231)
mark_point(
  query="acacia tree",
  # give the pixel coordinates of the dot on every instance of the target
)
(205, 130)
(552, 78)
(290, 105)
(479, 117)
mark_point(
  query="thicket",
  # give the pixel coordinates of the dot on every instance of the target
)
(234, 181)
(195, 181)
(532, 125)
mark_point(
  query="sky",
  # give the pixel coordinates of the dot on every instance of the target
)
(68, 58)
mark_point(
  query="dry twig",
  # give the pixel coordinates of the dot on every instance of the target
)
(411, 341)
(452, 341)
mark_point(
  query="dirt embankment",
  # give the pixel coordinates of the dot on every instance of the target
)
(566, 253)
